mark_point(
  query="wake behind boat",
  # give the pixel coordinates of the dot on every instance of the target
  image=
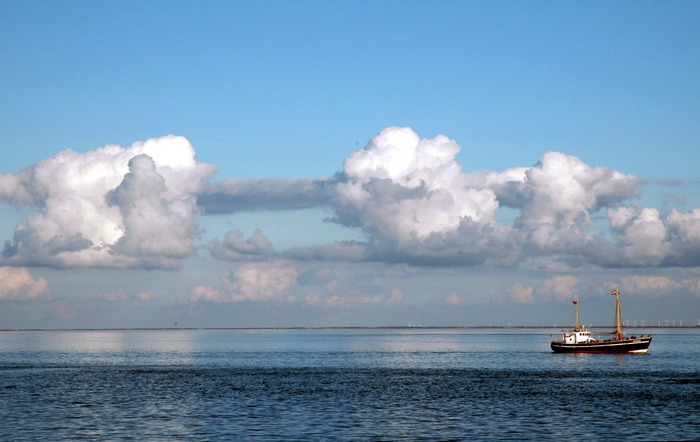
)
(581, 340)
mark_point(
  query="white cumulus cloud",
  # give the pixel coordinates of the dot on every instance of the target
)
(642, 237)
(406, 188)
(410, 195)
(556, 197)
(110, 207)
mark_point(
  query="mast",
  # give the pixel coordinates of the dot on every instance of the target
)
(576, 304)
(618, 314)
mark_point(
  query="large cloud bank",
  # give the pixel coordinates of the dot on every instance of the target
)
(416, 204)
(410, 196)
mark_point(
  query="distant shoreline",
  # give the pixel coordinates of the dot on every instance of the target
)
(457, 327)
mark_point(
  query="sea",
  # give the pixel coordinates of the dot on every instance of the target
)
(383, 384)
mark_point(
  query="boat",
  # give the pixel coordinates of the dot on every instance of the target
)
(581, 340)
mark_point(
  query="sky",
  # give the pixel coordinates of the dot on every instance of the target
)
(364, 163)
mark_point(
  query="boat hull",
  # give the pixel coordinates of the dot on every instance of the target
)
(636, 345)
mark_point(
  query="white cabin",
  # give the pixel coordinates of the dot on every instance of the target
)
(577, 336)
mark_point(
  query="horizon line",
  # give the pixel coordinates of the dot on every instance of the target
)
(379, 327)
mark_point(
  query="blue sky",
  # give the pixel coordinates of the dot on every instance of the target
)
(547, 151)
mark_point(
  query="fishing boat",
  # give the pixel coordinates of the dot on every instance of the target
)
(582, 340)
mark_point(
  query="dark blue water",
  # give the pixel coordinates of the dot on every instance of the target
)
(416, 384)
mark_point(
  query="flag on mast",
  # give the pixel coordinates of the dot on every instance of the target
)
(615, 292)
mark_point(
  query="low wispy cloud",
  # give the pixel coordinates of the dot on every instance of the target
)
(121, 295)
(243, 195)
(556, 288)
(255, 282)
(235, 247)
(339, 251)
(521, 294)
(17, 284)
(564, 287)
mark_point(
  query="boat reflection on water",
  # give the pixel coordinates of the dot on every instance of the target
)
(581, 340)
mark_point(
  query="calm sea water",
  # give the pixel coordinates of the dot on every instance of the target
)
(378, 384)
